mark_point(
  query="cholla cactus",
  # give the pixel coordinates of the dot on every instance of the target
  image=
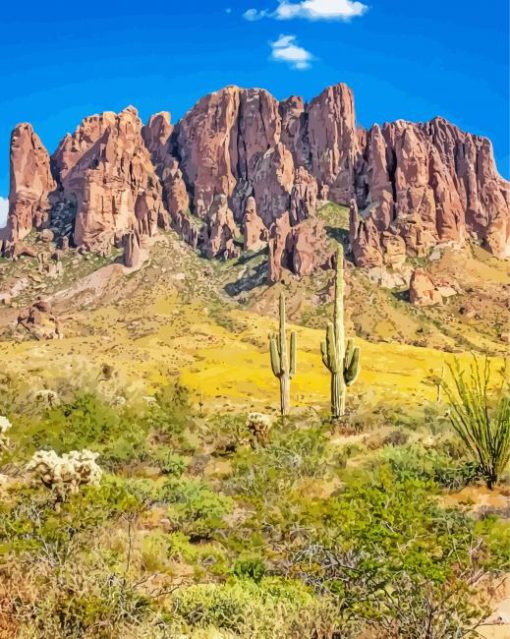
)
(64, 475)
(5, 425)
(259, 426)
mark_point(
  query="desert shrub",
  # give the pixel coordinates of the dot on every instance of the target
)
(226, 433)
(416, 463)
(171, 413)
(391, 557)
(196, 509)
(5, 425)
(250, 610)
(274, 469)
(481, 418)
(172, 464)
(259, 426)
(29, 520)
(82, 600)
(207, 558)
(495, 534)
(88, 421)
(250, 567)
(395, 438)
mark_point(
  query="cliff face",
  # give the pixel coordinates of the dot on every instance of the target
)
(239, 160)
(31, 183)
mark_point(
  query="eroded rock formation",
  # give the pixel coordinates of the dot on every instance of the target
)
(31, 183)
(241, 160)
(106, 175)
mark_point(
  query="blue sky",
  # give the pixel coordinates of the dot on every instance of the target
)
(403, 59)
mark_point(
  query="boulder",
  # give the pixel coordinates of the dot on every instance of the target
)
(422, 291)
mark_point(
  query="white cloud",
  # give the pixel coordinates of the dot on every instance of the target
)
(286, 49)
(343, 10)
(320, 10)
(4, 210)
(252, 14)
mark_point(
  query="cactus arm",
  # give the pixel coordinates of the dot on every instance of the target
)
(324, 353)
(293, 341)
(331, 349)
(275, 356)
(352, 372)
(349, 352)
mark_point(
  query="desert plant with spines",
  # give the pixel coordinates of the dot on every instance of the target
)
(343, 362)
(283, 362)
(481, 418)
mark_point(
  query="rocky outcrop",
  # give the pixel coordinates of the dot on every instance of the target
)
(132, 256)
(432, 184)
(239, 159)
(425, 291)
(254, 230)
(222, 230)
(333, 142)
(106, 175)
(40, 322)
(176, 213)
(299, 249)
(31, 183)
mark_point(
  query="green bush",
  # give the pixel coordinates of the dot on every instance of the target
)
(170, 415)
(416, 463)
(30, 521)
(118, 433)
(195, 509)
(389, 555)
(250, 567)
(249, 610)
(172, 464)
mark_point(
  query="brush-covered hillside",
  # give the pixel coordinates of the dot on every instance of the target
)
(190, 507)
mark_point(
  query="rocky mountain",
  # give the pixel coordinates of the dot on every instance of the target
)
(241, 171)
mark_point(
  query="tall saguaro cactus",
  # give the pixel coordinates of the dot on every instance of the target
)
(341, 361)
(282, 362)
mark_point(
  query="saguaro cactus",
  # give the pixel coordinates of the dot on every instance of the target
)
(283, 363)
(341, 361)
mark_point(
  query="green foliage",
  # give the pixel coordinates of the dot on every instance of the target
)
(195, 509)
(170, 415)
(416, 463)
(173, 465)
(88, 421)
(31, 521)
(482, 422)
(270, 471)
(495, 533)
(225, 433)
(248, 609)
(385, 551)
(250, 567)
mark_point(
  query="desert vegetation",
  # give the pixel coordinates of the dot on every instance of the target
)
(170, 521)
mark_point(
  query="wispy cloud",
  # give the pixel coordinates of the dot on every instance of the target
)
(4, 210)
(286, 49)
(253, 14)
(343, 10)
